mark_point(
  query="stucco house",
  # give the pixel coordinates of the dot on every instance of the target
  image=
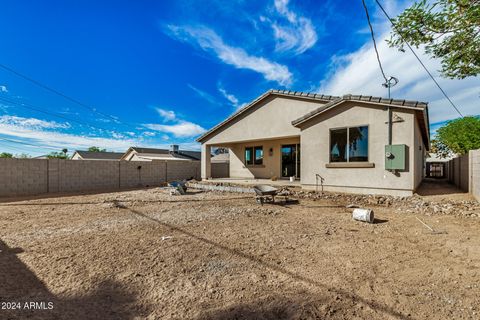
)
(150, 154)
(94, 155)
(356, 144)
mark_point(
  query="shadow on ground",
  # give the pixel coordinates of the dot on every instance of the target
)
(19, 284)
(265, 311)
(275, 308)
(435, 187)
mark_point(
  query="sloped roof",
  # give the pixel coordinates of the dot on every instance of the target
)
(408, 104)
(328, 102)
(286, 93)
(182, 154)
(92, 155)
(421, 109)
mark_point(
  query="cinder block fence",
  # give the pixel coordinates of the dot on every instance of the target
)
(464, 172)
(20, 177)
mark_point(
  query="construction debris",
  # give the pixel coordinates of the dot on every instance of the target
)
(433, 231)
(365, 215)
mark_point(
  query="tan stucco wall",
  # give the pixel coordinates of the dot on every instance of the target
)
(271, 119)
(271, 163)
(418, 156)
(315, 151)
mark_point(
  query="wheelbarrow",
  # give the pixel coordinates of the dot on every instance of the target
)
(179, 186)
(265, 193)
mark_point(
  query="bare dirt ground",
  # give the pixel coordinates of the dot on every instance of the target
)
(148, 255)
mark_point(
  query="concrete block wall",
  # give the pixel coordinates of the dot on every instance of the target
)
(179, 170)
(141, 174)
(464, 172)
(20, 177)
(87, 175)
(475, 173)
(23, 177)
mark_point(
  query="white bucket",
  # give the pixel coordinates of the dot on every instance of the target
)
(292, 179)
(363, 215)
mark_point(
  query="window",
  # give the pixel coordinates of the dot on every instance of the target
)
(349, 144)
(258, 155)
(254, 155)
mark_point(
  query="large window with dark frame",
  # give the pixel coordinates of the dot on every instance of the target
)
(349, 144)
(254, 155)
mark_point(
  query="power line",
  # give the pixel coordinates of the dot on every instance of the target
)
(29, 144)
(57, 92)
(418, 58)
(374, 42)
(38, 109)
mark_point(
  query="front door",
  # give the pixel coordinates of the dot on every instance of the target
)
(291, 160)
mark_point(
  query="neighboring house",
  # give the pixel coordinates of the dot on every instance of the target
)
(150, 154)
(91, 155)
(343, 142)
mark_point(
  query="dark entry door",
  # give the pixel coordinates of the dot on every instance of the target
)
(291, 160)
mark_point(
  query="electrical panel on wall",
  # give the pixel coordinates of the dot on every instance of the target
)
(396, 157)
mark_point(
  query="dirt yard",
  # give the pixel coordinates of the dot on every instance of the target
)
(149, 255)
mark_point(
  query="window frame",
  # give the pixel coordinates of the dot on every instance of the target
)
(254, 160)
(348, 144)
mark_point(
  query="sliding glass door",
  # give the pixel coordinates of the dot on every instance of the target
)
(291, 160)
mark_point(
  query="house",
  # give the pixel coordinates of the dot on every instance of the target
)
(94, 155)
(150, 154)
(355, 144)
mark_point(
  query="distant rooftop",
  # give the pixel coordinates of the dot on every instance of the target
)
(93, 155)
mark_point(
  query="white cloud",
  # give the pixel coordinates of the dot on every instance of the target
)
(182, 129)
(39, 136)
(167, 115)
(231, 98)
(211, 42)
(204, 95)
(3, 89)
(178, 127)
(149, 134)
(358, 73)
(297, 34)
(32, 122)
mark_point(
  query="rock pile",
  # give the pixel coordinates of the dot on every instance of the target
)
(413, 204)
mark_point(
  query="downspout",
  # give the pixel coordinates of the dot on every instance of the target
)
(389, 125)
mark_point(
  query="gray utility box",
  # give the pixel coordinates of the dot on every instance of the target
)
(396, 157)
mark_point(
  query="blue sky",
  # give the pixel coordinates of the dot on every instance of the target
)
(163, 72)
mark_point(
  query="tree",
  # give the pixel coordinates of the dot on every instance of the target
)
(96, 149)
(6, 155)
(23, 156)
(58, 155)
(458, 136)
(448, 30)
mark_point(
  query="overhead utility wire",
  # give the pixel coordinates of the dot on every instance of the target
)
(48, 88)
(374, 42)
(418, 58)
(29, 144)
(38, 109)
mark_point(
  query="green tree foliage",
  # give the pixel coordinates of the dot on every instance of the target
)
(448, 30)
(23, 156)
(96, 149)
(6, 155)
(458, 136)
(58, 155)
